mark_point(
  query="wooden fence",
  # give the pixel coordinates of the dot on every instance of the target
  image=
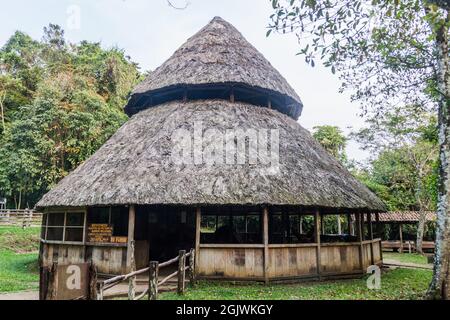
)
(22, 218)
(153, 277)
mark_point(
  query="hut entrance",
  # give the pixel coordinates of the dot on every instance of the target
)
(161, 232)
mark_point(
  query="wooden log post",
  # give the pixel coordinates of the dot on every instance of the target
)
(317, 224)
(181, 272)
(301, 225)
(370, 231)
(400, 233)
(266, 243)
(339, 226)
(153, 281)
(131, 224)
(322, 224)
(52, 282)
(100, 287)
(198, 225)
(92, 294)
(380, 229)
(132, 280)
(191, 274)
(349, 224)
(359, 234)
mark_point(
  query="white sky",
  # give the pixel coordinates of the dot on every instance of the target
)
(150, 31)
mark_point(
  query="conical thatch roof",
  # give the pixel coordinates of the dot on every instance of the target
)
(135, 166)
(216, 60)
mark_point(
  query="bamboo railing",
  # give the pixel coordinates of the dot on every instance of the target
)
(153, 280)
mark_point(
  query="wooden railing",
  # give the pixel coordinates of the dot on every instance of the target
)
(22, 218)
(153, 277)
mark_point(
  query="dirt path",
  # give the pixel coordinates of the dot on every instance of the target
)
(396, 263)
(23, 295)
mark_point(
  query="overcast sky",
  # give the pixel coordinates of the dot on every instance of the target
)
(150, 31)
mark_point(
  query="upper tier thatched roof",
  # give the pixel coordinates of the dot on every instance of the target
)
(217, 57)
(135, 166)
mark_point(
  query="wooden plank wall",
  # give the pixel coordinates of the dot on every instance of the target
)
(340, 259)
(285, 261)
(242, 263)
(108, 260)
(292, 262)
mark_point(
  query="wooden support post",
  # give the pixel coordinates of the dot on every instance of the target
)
(339, 226)
(153, 281)
(132, 280)
(400, 233)
(198, 221)
(131, 224)
(317, 224)
(52, 283)
(181, 271)
(92, 282)
(191, 274)
(377, 226)
(266, 243)
(349, 224)
(380, 229)
(370, 231)
(359, 235)
(322, 224)
(100, 286)
(301, 225)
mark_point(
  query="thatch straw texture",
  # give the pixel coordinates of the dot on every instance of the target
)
(135, 166)
(218, 54)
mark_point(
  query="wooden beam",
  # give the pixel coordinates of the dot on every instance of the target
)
(266, 243)
(131, 224)
(317, 224)
(400, 233)
(198, 221)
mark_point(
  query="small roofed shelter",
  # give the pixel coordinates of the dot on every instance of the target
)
(397, 239)
(213, 158)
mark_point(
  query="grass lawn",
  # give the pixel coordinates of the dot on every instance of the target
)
(398, 284)
(405, 257)
(18, 259)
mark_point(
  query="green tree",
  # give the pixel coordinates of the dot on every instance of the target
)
(56, 118)
(333, 140)
(386, 52)
(404, 142)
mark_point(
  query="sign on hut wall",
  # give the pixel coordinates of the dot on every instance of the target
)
(72, 281)
(100, 233)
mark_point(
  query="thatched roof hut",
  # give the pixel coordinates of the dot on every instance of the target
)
(135, 166)
(251, 177)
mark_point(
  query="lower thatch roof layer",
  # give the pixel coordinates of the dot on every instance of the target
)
(136, 166)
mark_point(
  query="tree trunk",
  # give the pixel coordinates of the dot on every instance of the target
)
(439, 288)
(420, 231)
(2, 111)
